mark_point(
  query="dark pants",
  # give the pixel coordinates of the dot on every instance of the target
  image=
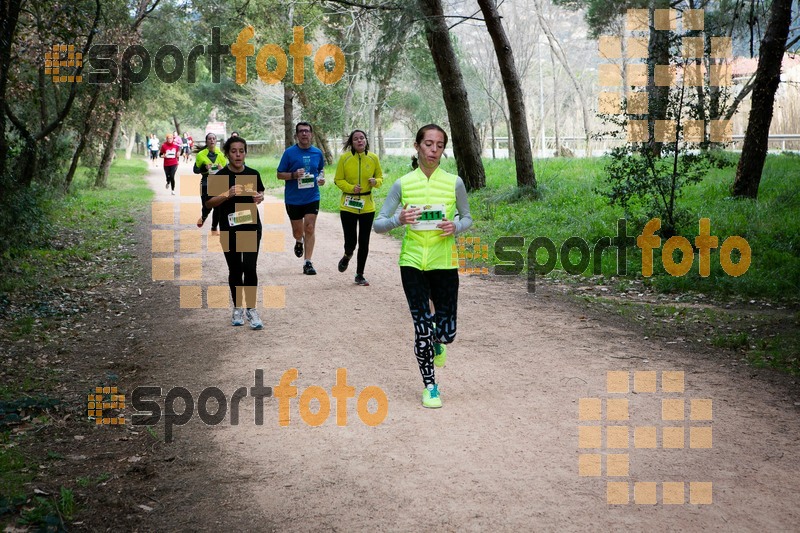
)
(422, 288)
(170, 172)
(357, 228)
(242, 273)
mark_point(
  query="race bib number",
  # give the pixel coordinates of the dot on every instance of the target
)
(170, 153)
(353, 201)
(240, 217)
(430, 216)
(307, 181)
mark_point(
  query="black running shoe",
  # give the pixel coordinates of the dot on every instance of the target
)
(343, 262)
(308, 269)
(298, 249)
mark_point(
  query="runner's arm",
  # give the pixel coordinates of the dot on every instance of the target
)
(464, 221)
(389, 217)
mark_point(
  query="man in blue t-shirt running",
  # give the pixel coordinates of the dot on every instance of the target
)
(302, 168)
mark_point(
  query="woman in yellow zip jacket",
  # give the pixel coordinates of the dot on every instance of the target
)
(426, 201)
(357, 173)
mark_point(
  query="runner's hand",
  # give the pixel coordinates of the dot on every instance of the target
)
(357, 189)
(448, 227)
(409, 216)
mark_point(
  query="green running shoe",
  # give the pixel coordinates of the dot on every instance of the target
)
(431, 398)
(440, 354)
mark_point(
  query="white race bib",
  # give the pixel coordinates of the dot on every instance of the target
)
(170, 153)
(307, 181)
(430, 216)
(240, 217)
(353, 201)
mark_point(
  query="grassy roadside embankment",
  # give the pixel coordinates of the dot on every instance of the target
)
(46, 293)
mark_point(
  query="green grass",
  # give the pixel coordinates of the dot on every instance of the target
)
(568, 204)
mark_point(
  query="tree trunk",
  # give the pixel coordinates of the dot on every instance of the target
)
(131, 143)
(87, 126)
(658, 97)
(556, 127)
(466, 146)
(288, 115)
(177, 124)
(768, 77)
(108, 153)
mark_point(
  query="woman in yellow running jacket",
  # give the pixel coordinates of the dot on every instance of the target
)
(357, 173)
(426, 201)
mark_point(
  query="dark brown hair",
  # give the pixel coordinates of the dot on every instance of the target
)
(348, 144)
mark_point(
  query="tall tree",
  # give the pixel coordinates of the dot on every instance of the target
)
(466, 145)
(523, 156)
(768, 77)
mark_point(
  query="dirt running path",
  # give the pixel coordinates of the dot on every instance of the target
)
(504, 451)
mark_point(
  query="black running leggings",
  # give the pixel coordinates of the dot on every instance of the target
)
(361, 223)
(170, 172)
(242, 271)
(421, 288)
